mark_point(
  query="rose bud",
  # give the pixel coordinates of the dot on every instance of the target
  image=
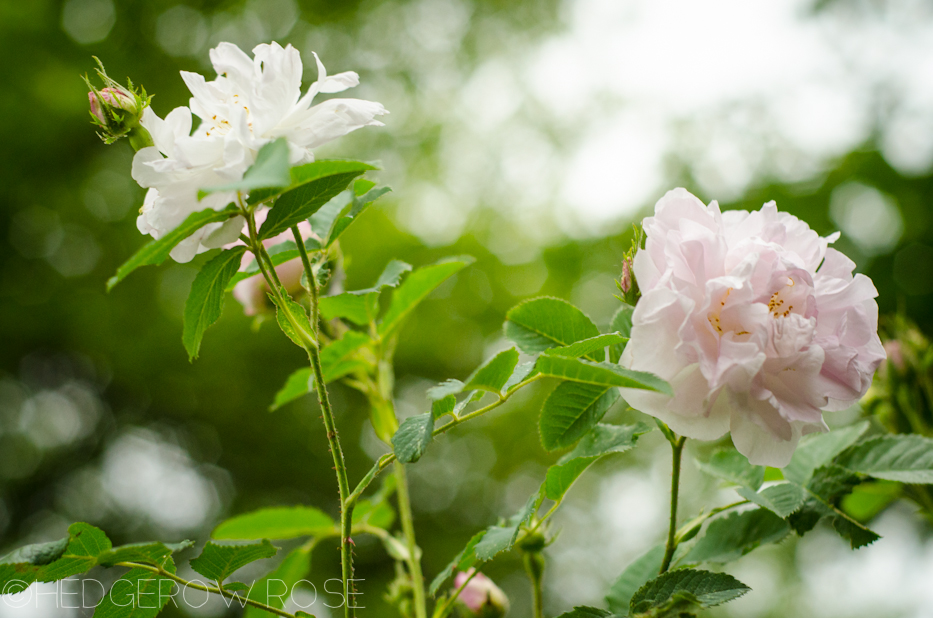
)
(481, 597)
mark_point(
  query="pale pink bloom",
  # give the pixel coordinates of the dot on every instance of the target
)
(757, 324)
(253, 292)
(481, 596)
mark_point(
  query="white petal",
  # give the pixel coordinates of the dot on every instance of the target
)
(227, 233)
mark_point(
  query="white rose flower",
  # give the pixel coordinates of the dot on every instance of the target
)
(174, 170)
(756, 323)
(259, 100)
(251, 103)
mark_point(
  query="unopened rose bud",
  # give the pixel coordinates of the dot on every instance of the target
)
(117, 111)
(481, 597)
(625, 281)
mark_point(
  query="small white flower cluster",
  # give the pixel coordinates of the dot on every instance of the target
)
(252, 102)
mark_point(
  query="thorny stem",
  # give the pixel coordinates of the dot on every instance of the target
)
(677, 449)
(330, 426)
(388, 458)
(188, 584)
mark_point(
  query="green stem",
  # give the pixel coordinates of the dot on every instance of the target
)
(330, 426)
(677, 449)
(408, 529)
(534, 566)
(211, 589)
(309, 273)
(388, 458)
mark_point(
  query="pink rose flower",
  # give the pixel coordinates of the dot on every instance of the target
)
(481, 596)
(757, 324)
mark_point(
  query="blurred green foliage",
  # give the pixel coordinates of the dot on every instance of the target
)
(67, 221)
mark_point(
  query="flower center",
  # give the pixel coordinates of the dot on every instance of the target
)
(780, 303)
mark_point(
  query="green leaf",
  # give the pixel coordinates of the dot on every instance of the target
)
(869, 499)
(270, 170)
(336, 358)
(686, 589)
(572, 410)
(45, 562)
(816, 450)
(138, 594)
(445, 389)
(443, 406)
(156, 251)
(635, 575)
(782, 499)
(607, 439)
(593, 345)
(206, 300)
(413, 437)
(416, 287)
(622, 324)
(362, 306)
(498, 539)
(541, 324)
(154, 553)
(827, 487)
(349, 214)
(85, 545)
(358, 309)
(600, 374)
(493, 374)
(299, 384)
(732, 536)
(588, 612)
(285, 522)
(378, 514)
(293, 321)
(274, 588)
(730, 465)
(601, 441)
(318, 184)
(279, 254)
(904, 458)
(336, 215)
(19, 568)
(218, 560)
(462, 561)
(561, 477)
(521, 373)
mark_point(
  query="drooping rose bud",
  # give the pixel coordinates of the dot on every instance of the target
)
(481, 597)
(117, 111)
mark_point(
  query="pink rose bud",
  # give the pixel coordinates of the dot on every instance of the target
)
(625, 281)
(96, 107)
(117, 111)
(481, 596)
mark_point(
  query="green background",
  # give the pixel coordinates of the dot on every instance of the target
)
(82, 370)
